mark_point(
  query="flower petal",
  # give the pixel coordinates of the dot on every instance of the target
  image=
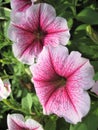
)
(24, 56)
(1, 89)
(15, 122)
(5, 89)
(32, 16)
(47, 15)
(95, 88)
(18, 34)
(33, 125)
(73, 67)
(71, 103)
(83, 76)
(58, 32)
(58, 57)
(20, 5)
(44, 66)
(24, 48)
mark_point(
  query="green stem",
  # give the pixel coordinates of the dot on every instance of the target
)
(6, 77)
(10, 105)
(6, 102)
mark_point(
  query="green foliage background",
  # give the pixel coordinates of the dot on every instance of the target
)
(82, 17)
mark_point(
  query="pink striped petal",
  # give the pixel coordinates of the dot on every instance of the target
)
(58, 32)
(83, 77)
(74, 67)
(15, 122)
(47, 15)
(70, 103)
(20, 5)
(44, 61)
(19, 34)
(40, 15)
(32, 16)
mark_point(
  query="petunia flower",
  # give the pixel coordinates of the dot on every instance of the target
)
(61, 81)
(38, 27)
(17, 122)
(5, 89)
(21, 5)
(95, 88)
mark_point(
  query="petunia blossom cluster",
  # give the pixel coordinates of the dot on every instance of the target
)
(61, 79)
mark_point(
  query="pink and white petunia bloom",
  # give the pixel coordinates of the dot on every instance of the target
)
(5, 89)
(17, 122)
(61, 81)
(38, 27)
(21, 5)
(95, 88)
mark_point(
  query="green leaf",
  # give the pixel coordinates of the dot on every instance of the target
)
(4, 13)
(7, 1)
(95, 65)
(62, 124)
(27, 102)
(86, 46)
(50, 124)
(4, 19)
(92, 34)
(89, 123)
(96, 76)
(88, 16)
(78, 127)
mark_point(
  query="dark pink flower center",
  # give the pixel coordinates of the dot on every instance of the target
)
(40, 35)
(61, 82)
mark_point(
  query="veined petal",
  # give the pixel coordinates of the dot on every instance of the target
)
(20, 5)
(40, 15)
(47, 15)
(18, 34)
(58, 56)
(23, 54)
(71, 63)
(58, 32)
(44, 66)
(33, 125)
(33, 16)
(83, 76)
(15, 122)
(71, 104)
